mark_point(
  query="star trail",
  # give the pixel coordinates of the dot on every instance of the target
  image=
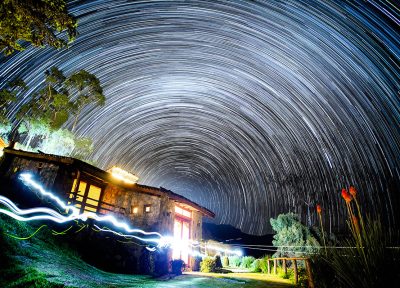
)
(250, 108)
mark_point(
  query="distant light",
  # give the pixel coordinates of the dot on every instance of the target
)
(123, 175)
(239, 253)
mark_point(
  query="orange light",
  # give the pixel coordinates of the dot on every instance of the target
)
(123, 175)
(353, 191)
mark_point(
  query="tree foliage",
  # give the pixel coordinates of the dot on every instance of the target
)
(8, 96)
(42, 117)
(89, 91)
(83, 148)
(292, 238)
(60, 142)
(39, 22)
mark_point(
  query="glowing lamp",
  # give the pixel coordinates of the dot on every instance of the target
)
(123, 175)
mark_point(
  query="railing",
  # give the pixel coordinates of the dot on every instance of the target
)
(295, 270)
(101, 205)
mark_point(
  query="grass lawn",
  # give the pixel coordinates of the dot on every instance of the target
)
(245, 279)
(42, 262)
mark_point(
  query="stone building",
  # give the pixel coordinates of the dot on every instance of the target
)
(115, 192)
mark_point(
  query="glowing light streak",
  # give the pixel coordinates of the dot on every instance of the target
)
(28, 237)
(28, 180)
(161, 241)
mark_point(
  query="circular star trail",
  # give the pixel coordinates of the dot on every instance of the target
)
(250, 108)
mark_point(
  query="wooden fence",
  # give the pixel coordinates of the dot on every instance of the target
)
(294, 260)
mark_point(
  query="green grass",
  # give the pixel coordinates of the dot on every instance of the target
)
(45, 261)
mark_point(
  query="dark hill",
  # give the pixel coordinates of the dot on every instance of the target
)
(231, 235)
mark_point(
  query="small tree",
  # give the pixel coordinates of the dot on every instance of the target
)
(36, 21)
(292, 238)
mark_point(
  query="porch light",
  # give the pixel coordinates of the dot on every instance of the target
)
(123, 175)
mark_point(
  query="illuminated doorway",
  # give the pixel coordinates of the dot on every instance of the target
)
(182, 234)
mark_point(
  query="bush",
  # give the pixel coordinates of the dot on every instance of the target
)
(256, 266)
(264, 264)
(247, 261)
(208, 265)
(291, 232)
(177, 266)
(218, 263)
(234, 261)
(196, 265)
(146, 262)
(225, 261)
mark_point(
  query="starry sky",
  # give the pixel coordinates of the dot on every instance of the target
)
(250, 108)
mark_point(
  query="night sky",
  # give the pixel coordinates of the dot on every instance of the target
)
(250, 108)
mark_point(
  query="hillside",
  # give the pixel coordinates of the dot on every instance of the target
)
(46, 260)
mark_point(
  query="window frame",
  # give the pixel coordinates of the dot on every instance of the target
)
(133, 208)
(147, 206)
(85, 195)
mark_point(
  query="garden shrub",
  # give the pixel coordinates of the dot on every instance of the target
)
(208, 265)
(256, 266)
(264, 264)
(234, 261)
(146, 262)
(291, 232)
(177, 266)
(218, 263)
(225, 261)
(196, 265)
(247, 261)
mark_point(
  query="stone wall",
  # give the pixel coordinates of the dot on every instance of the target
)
(45, 172)
(127, 199)
(197, 223)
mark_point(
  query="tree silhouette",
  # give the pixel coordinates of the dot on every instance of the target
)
(8, 96)
(89, 91)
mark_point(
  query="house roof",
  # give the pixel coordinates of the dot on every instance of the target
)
(107, 177)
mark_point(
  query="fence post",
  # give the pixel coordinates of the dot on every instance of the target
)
(296, 275)
(284, 266)
(275, 264)
(269, 267)
(309, 274)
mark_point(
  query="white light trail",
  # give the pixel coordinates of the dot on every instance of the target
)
(44, 213)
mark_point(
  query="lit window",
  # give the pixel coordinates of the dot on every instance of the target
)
(93, 197)
(183, 212)
(134, 210)
(87, 196)
(147, 208)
